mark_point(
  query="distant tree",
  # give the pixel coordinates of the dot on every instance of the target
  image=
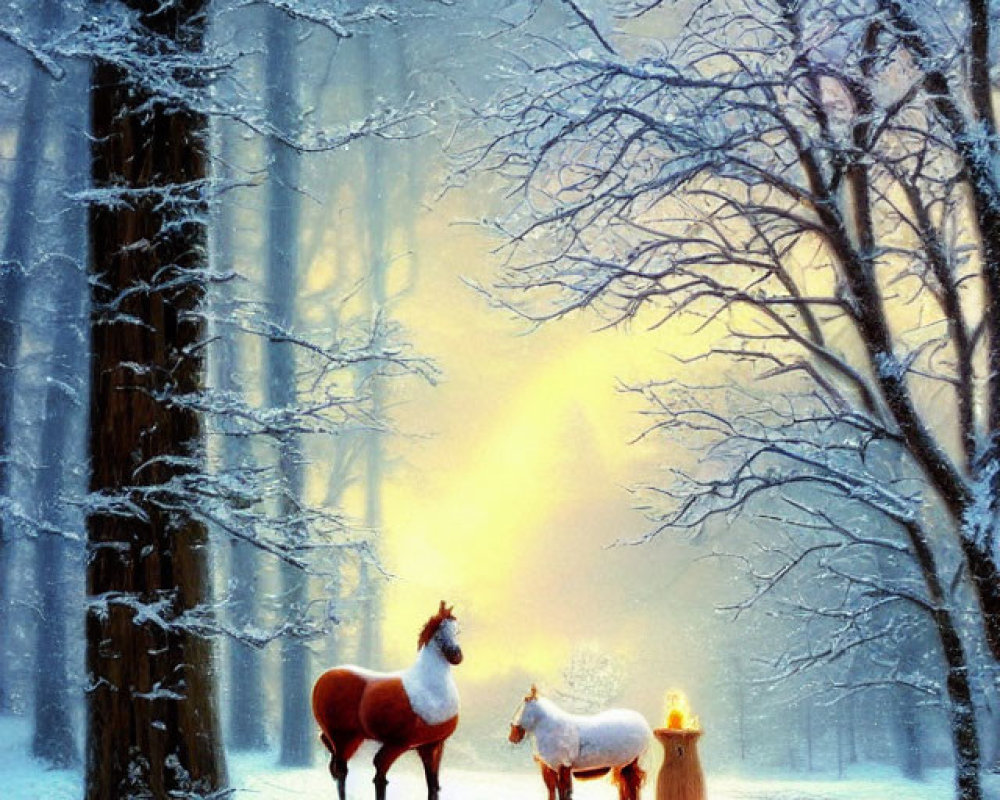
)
(390, 198)
(591, 680)
(246, 711)
(377, 222)
(63, 418)
(16, 241)
(282, 253)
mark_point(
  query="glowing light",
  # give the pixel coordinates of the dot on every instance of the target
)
(679, 716)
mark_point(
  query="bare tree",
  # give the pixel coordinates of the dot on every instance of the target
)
(808, 187)
(591, 680)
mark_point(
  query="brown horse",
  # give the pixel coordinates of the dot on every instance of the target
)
(416, 709)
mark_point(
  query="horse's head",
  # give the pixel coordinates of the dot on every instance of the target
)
(441, 632)
(526, 717)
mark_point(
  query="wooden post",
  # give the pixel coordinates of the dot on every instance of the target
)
(680, 777)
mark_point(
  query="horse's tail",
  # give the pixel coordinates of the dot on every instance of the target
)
(629, 780)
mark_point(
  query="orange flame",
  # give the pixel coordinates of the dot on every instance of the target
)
(679, 716)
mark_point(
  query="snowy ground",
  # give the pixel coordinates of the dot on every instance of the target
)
(258, 779)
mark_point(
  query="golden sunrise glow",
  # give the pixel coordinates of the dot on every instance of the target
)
(519, 448)
(509, 478)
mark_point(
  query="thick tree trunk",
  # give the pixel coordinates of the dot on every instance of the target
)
(152, 721)
(20, 225)
(282, 289)
(54, 739)
(965, 736)
(247, 729)
(976, 536)
(985, 574)
(958, 686)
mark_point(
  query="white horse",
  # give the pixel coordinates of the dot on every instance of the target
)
(583, 746)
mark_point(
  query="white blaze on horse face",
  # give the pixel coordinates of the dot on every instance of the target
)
(446, 639)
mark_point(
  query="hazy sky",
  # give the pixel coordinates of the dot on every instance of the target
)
(506, 496)
(507, 506)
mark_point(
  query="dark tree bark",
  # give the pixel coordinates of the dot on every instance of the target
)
(152, 719)
(54, 739)
(958, 686)
(966, 134)
(246, 730)
(283, 214)
(20, 226)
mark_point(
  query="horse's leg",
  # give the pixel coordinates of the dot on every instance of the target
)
(341, 751)
(384, 759)
(621, 782)
(628, 779)
(551, 778)
(565, 783)
(430, 754)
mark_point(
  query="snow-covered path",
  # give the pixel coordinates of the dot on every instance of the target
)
(407, 784)
(256, 777)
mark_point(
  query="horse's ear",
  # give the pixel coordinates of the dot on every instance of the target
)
(534, 692)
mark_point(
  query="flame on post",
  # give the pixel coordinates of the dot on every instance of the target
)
(679, 716)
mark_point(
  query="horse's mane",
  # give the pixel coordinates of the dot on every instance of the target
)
(430, 628)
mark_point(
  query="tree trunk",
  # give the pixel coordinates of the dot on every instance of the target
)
(910, 741)
(20, 225)
(807, 723)
(152, 720)
(741, 708)
(985, 576)
(246, 730)
(851, 731)
(961, 710)
(54, 739)
(965, 736)
(909, 731)
(375, 217)
(968, 137)
(282, 289)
